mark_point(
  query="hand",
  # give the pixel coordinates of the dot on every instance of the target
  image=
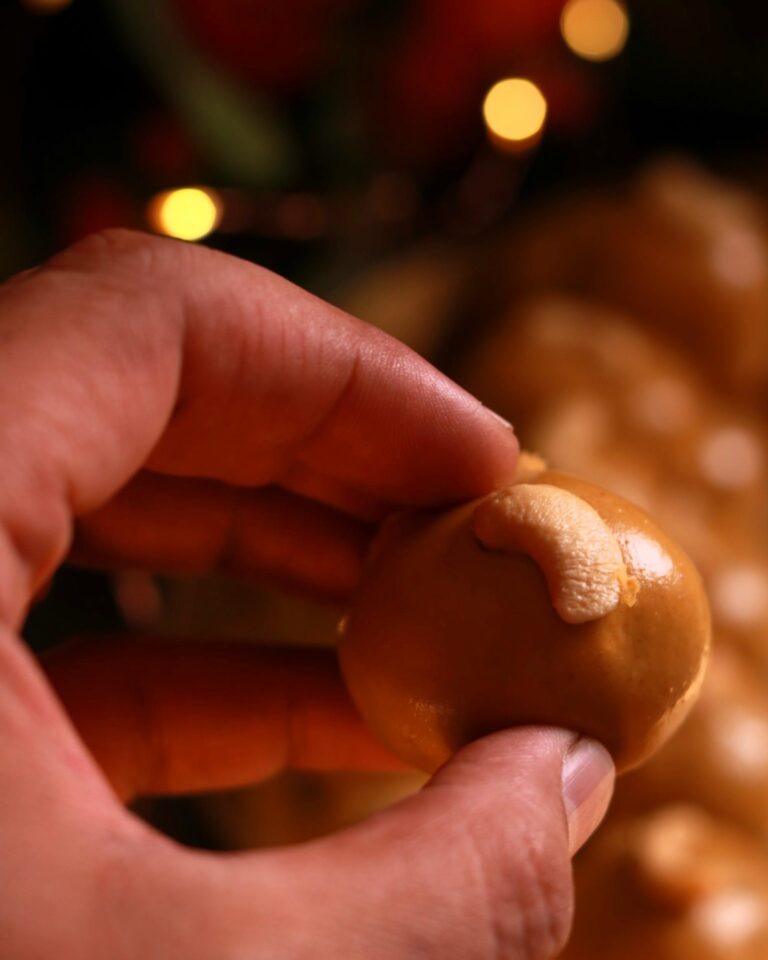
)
(165, 406)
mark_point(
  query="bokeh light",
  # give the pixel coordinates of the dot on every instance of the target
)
(190, 213)
(595, 29)
(514, 111)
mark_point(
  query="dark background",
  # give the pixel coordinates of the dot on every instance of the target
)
(92, 126)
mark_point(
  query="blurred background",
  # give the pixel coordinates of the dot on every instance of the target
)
(562, 204)
(331, 131)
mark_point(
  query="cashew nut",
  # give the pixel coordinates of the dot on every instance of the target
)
(529, 466)
(577, 552)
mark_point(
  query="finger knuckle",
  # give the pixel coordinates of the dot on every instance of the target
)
(109, 249)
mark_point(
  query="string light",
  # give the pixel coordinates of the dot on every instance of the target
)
(190, 213)
(514, 111)
(595, 29)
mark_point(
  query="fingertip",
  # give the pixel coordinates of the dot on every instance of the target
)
(545, 761)
(483, 847)
(473, 450)
(501, 448)
(499, 419)
(516, 752)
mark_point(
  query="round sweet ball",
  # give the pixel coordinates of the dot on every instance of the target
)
(549, 602)
(676, 884)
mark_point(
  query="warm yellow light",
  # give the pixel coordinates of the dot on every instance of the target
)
(514, 111)
(595, 29)
(188, 214)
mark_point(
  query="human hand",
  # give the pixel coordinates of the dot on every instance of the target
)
(165, 406)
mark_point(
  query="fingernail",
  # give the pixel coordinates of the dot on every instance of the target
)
(588, 776)
(500, 419)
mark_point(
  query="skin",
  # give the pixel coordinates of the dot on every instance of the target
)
(167, 407)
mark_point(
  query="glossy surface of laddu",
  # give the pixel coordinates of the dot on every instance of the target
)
(448, 640)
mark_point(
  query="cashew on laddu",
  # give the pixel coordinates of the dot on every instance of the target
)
(578, 554)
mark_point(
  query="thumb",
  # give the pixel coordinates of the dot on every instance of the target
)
(474, 867)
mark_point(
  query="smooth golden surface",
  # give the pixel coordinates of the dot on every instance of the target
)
(448, 641)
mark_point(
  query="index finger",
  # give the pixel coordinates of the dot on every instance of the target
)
(126, 350)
